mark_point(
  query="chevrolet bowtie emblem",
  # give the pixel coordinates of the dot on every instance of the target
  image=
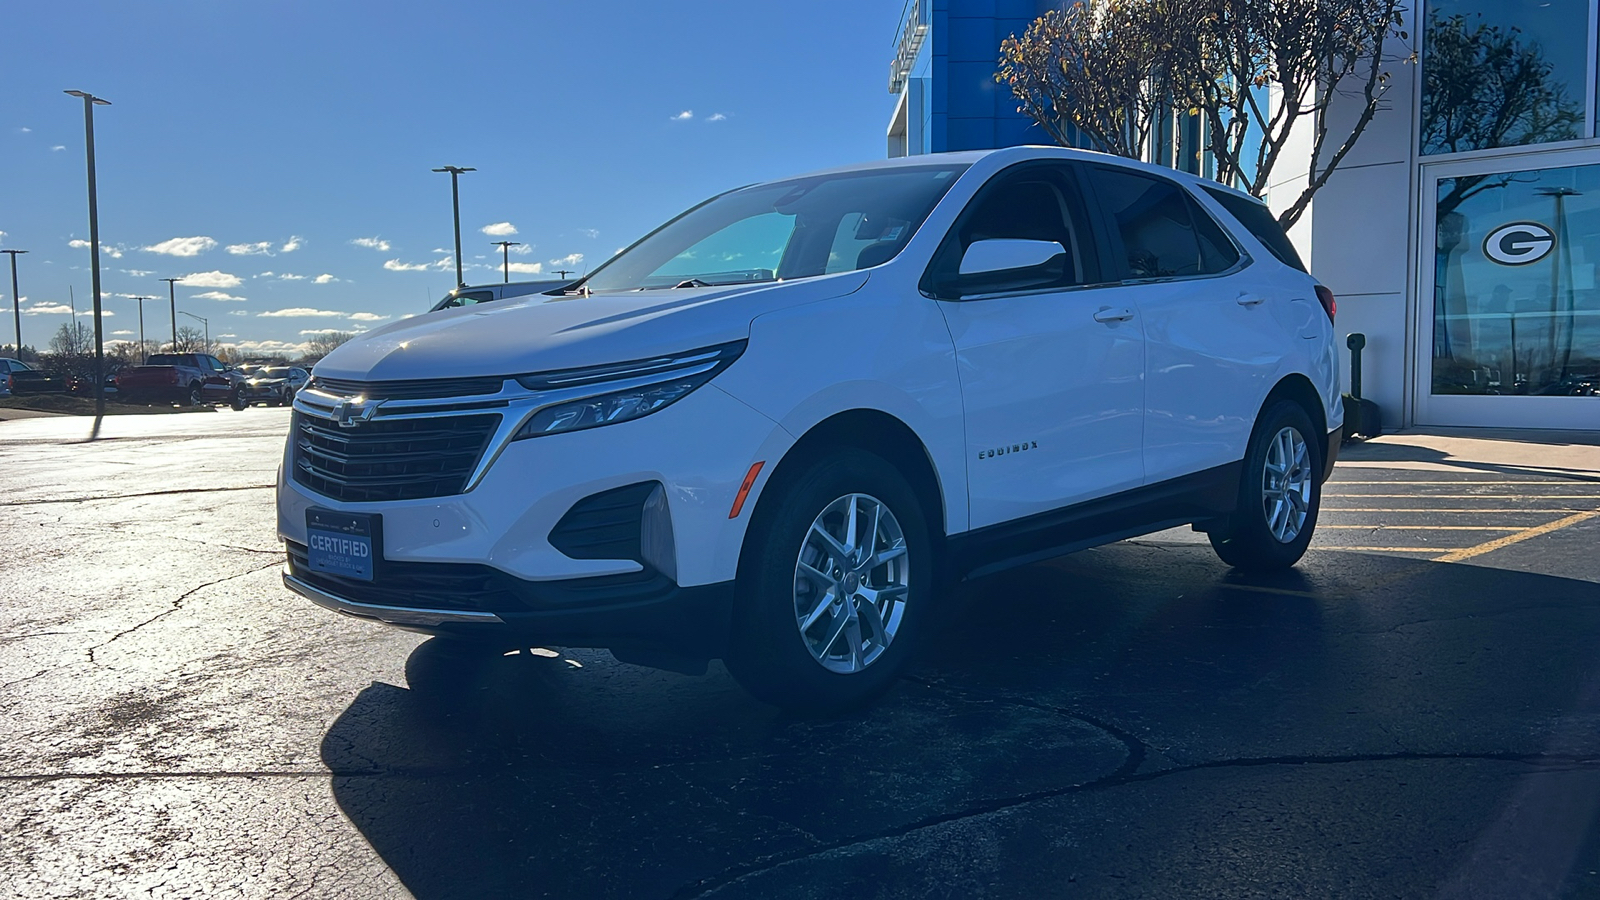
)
(353, 411)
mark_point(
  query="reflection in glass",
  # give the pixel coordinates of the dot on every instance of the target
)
(1516, 310)
(1502, 73)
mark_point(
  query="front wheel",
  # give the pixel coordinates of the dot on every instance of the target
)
(196, 396)
(834, 587)
(1279, 494)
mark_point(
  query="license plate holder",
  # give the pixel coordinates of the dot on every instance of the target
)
(346, 545)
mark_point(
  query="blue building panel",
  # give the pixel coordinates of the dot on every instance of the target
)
(961, 107)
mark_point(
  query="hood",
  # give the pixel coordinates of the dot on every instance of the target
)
(539, 333)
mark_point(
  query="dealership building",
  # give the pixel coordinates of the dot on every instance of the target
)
(1457, 232)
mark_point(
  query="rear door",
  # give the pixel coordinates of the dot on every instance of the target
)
(1051, 369)
(1214, 326)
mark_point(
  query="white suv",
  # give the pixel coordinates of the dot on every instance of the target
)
(770, 430)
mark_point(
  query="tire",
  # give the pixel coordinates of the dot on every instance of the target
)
(850, 652)
(196, 396)
(288, 398)
(1277, 514)
(237, 401)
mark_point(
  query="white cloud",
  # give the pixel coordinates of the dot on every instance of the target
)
(124, 331)
(2, 237)
(570, 261)
(139, 273)
(395, 265)
(183, 246)
(299, 312)
(292, 244)
(289, 276)
(227, 335)
(323, 279)
(522, 249)
(366, 317)
(438, 250)
(499, 229)
(58, 147)
(259, 248)
(263, 275)
(448, 262)
(238, 312)
(218, 295)
(527, 268)
(717, 117)
(271, 347)
(24, 129)
(589, 232)
(47, 309)
(211, 279)
(107, 249)
(684, 116)
(373, 243)
(89, 313)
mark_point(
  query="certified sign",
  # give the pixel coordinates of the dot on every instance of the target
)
(1519, 243)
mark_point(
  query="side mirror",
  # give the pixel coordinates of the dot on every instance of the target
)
(1008, 255)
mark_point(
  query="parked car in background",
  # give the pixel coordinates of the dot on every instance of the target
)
(921, 371)
(193, 378)
(274, 385)
(467, 295)
(22, 378)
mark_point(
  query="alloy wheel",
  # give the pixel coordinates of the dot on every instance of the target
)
(850, 583)
(1286, 485)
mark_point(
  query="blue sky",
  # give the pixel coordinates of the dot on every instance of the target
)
(295, 138)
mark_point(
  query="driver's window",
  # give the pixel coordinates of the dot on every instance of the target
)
(1031, 203)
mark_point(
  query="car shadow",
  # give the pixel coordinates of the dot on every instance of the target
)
(552, 772)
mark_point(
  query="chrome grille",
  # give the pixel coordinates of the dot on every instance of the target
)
(390, 459)
(419, 389)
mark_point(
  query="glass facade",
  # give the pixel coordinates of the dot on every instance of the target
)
(1504, 73)
(1515, 307)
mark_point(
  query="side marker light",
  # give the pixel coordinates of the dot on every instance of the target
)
(744, 489)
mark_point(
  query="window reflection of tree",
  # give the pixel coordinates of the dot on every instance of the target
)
(1483, 87)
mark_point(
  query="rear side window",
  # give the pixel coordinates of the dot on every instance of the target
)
(1164, 234)
(1259, 221)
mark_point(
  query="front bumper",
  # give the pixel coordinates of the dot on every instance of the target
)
(646, 613)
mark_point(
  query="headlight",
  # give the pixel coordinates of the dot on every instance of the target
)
(637, 389)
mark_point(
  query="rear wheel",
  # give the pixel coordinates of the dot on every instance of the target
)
(1279, 494)
(196, 397)
(834, 587)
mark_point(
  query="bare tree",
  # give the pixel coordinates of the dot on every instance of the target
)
(1111, 67)
(190, 340)
(320, 345)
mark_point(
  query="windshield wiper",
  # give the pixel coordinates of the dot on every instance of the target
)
(693, 283)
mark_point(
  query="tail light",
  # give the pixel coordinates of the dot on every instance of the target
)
(1329, 305)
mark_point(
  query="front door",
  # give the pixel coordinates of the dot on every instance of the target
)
(1051, 372)
(1509, 322)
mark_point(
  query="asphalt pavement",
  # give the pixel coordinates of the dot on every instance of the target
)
(1414, 711)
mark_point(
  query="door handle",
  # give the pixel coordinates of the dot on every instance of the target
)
(1113, 315)
(1251, 299)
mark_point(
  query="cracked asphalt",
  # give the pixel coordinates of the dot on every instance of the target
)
(1416, 717)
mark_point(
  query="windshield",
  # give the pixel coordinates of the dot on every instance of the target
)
(274, 372)
(786, 229)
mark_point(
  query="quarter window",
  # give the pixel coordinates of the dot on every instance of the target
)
(1164, 234)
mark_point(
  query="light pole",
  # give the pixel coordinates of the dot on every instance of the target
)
(142, 348)
(202, 322)
(455, 205)
(505, 253)
(1560, 195)
(563, 273)
(90, 101)
(172, 301)
(16, 300)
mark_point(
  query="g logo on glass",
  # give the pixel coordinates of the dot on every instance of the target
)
(1519, 243)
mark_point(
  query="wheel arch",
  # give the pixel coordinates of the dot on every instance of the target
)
(1298, 389)
(871, 430)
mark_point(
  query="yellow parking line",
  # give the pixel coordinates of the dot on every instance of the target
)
(1470, 496)
(1381, 549)
(1508, 540)
(1457, 509)
(1428, 527)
